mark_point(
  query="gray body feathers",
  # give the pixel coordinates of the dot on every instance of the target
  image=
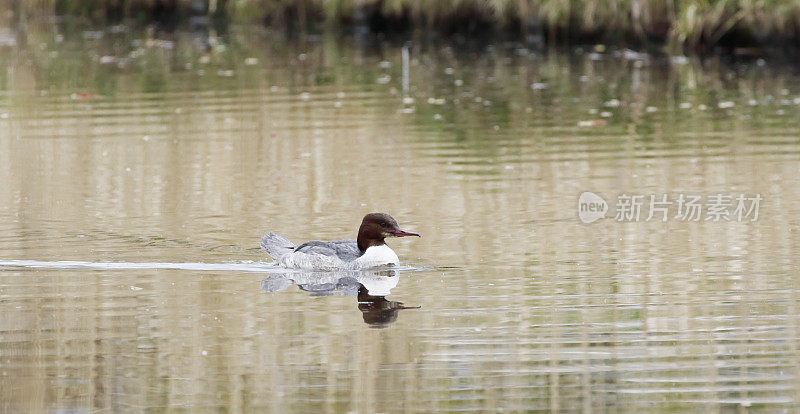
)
(326, 255)
(276, 246)
(346, 250)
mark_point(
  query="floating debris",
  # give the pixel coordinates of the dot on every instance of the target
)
(449, 71)
(458, 82)
(83, 96)
(92, 34)
(251, 61)
(614, 103)
(679, 60)
(752, 102)
(685, 105)
(137, 53)
(537, 86)
(408, 100)
(634, 55)
(225, 73)
(651, 109)
(383, 80)
(123, 62)
(726, 104)
(118, 29)
(605, 114)
(592, 123)
(436, 101)
(385, 64)
(702, 107)
(305, 96)
(159, 43)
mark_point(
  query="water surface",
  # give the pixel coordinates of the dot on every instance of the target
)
(157, 161)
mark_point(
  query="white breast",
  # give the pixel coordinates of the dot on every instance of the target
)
(376, 256)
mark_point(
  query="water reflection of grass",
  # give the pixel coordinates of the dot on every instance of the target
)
(537, 104)
(694, 24)
(485, 100)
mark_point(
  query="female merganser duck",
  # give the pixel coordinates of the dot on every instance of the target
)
(369, 250)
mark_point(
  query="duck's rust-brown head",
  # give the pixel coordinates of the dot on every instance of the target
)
(375, 227)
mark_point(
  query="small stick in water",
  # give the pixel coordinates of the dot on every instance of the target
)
(405, 69)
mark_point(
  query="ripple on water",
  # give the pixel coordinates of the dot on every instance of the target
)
(134, 199)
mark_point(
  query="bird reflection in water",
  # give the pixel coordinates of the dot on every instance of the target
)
(371, 288)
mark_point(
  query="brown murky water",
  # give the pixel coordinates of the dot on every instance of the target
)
(139, 175)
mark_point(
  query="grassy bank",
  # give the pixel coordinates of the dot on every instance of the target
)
(689, 25)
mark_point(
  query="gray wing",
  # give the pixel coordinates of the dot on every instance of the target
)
(346, 250)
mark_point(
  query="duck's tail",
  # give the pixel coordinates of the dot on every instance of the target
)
(276, 246)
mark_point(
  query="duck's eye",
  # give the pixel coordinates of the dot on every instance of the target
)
(383, 224)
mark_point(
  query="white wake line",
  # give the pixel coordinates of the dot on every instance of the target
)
(248, 266)
(70, 264)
